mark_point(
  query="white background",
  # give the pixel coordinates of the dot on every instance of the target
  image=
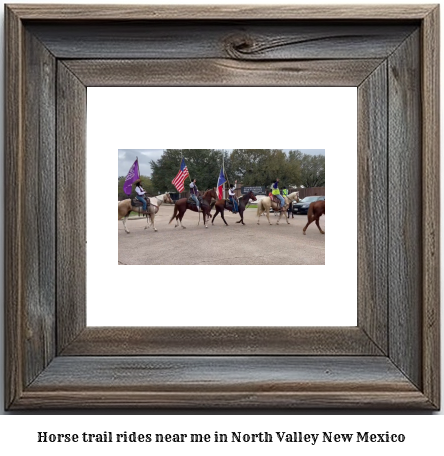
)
(223, 117)
(18, 432)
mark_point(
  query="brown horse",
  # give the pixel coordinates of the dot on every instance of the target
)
(183, 204)
(315, 211)
(223, 204)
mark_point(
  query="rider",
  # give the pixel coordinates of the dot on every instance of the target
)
(141, 195)
(285, 192)
(193, 193)
(276, 192)
(232, 198)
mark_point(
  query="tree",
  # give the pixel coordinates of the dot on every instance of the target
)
(261, 167)
(313, 170)
(250, 165)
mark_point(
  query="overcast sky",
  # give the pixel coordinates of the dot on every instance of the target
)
(128, 156)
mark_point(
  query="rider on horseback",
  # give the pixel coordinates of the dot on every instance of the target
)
(277, 193)
(232, 198)
(141, 195)
(193, 193)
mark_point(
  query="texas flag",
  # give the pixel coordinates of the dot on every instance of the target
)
(220, 184)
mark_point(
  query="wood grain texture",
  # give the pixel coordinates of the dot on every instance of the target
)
(220, 12)
(430, 93)
(39, 206)
(407, 378)
(372, 207)
(405, 223)
(221, 72)
(234, 382)
(236, 40)
(13, 204)
(126, 341)
(71, 208)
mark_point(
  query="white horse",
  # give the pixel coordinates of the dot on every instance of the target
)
(265, 203)
(125, 209)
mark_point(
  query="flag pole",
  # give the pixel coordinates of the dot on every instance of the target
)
(223, 169)
(181, 158)
(228, 180)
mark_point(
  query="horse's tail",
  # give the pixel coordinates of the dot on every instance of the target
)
(174, 214)
(260, 208)
(310, 211)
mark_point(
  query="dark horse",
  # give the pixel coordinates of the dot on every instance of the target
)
(223, 204)
(315, 211)
(183, 204)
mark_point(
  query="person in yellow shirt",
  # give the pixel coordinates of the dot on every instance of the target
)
(275, 191)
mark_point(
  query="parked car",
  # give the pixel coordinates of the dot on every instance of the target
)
(304, 204)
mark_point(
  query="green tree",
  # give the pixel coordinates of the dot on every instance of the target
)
(313, 170)
(250, 165)
(263, 166)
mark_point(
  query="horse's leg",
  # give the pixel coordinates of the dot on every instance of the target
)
(267, 213)
(124, 223)
(215, 215)
(310, 220)
(241, 213)
(181, 214)
(223, 217)
(177, 221)
(148, 220)
(174, 216)
(285, 215)
(317, 223)
(260, 211)
(152, 217)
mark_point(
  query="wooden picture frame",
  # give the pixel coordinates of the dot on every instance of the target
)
(390, 360)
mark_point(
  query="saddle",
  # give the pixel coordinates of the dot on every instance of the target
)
(136, 203)
(229, 205)
(191, 201)
(275, 199)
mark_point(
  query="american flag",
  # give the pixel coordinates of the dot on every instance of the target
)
(181, 176)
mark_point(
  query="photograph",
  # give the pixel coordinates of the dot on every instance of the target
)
(254, 203)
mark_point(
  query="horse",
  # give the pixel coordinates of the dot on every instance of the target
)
(265, 204)
(126, 207)
(315, 212)
(223, 204)
(183, 204)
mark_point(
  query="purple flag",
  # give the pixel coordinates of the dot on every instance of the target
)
(132, 176)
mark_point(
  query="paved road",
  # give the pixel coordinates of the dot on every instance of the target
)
(219, 244)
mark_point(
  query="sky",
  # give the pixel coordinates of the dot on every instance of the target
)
(128, 156)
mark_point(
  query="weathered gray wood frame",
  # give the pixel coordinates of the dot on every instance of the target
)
(390, 360)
